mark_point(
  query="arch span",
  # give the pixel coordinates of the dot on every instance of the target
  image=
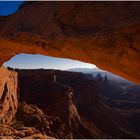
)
(106, 34)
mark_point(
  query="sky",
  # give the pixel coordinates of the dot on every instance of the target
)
(9, 7)
(27, 61)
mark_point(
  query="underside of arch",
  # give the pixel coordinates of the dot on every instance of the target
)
(106, 34)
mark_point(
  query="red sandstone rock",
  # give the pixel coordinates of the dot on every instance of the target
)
(55, 99)
(75, 101)
(103, 33)
(8, 95)
(68, 107)
(7, 132)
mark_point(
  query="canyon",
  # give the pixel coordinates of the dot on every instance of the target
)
(58, 104)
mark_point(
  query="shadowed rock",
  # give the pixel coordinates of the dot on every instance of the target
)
(103, 33)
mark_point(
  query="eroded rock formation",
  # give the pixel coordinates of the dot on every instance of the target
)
(7, 132)
(103, 33)
(74, 100)
(67, 106)
(8, 95)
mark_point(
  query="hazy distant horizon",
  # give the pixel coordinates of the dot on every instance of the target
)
(28, 61)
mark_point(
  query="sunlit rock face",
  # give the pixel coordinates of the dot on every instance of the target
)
(103, 33)
(8, 95)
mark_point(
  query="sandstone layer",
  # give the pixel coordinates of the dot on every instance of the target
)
(58, 104)
(8, 95)
(106, 34)
(74, 104)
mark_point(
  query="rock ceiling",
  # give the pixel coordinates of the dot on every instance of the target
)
(106, 34)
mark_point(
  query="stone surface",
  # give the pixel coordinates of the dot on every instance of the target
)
(74, 101)
(106, 34)
(107, 123)
(8, 95)
(53, 98)
(7, 132)
(67, 106)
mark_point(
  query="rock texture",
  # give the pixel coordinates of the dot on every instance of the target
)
(8, 95)
(39, 87)
(90, 106)
(106, 34)
(71, 98)
(58, 104)
(7, 132)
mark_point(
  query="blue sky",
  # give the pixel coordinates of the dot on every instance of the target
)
(36, 61)
(39, 61)
(9, 7)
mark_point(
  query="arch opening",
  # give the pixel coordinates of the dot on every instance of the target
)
(71, 94)
(35, 61)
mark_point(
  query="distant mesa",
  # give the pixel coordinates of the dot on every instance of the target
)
(106, 78)
(98, 77)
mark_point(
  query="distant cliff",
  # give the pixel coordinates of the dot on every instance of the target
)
(74, 98)
(58, 104)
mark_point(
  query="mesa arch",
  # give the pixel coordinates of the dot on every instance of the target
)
(106, 34)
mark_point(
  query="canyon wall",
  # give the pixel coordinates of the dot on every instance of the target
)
(56, 103)
(8, 95)
(74, 99)
(40, 88)
(106, 34)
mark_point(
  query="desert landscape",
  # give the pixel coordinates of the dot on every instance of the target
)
(71, 103)
(63, 104)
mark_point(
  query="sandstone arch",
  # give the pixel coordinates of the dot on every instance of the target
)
(103, 33)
